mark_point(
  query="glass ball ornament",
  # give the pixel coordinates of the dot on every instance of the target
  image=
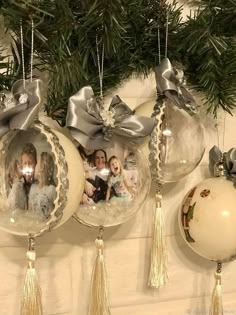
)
(179, 139)
(207, 219)
(42, 179)
(117, 183)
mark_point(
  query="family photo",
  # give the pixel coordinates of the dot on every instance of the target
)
(30, 178)
(110, 174)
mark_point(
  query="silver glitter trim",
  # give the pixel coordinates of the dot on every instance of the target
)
(155, 144)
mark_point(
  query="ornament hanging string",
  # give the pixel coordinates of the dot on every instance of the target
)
(100, 63)
(221, 148)
(31, 54)
(31, 303)
(167, 34)
(159, 44)
(32, 50)
(223, 141)
(22, 53)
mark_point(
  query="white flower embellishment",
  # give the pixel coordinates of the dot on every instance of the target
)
(23, 98)
(90, 101)
(108, 117)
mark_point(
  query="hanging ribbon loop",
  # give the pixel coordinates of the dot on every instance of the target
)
(94, 127)
(170, 82)
(20, 107)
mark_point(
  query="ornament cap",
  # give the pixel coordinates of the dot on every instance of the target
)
(219, 169)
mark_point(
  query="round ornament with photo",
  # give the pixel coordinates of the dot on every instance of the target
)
(117, 183)
(35, 176)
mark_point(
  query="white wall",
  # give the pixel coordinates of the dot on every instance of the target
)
(66, 256)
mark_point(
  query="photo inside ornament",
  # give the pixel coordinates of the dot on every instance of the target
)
(117, 182)
(34, 180)
(29, 177)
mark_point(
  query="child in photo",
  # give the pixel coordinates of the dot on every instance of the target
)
(17, 196)
(118, 181)
(21, 177)
(43, 193)
(131, 172)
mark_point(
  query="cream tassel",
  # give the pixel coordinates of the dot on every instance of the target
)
(216, 301)
(31, 303)
(158, 268)
(99, 288)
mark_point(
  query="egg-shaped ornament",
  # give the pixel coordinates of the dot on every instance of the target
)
(117, 173)
(39, 175)
(207, 218)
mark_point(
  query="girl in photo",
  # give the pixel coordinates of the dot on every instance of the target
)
(117, 181)
(43, 193)
(17, 197)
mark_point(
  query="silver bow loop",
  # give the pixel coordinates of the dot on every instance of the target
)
(94, 127)
(120, 108)
(229, 161)
(170, 82)
(20, 107)
(93, 106)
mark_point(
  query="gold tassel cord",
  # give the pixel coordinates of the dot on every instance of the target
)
(158, 267)
(216, 301)
(99, 289)
(31, 303)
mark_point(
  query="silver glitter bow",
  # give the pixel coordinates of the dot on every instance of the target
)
(20, 107)
(170, 82)
(94, 127)
(229, 162)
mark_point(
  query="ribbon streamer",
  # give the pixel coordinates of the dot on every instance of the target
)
(94, 128)
(20, 107)
(229, 162)
(170, 82)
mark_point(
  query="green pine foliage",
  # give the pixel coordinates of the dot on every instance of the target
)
(209, 57)
(65, 45)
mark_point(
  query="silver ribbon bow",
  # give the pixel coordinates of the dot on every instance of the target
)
(170, 82)
(229, 161)
(19, 108)
(94, 127)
